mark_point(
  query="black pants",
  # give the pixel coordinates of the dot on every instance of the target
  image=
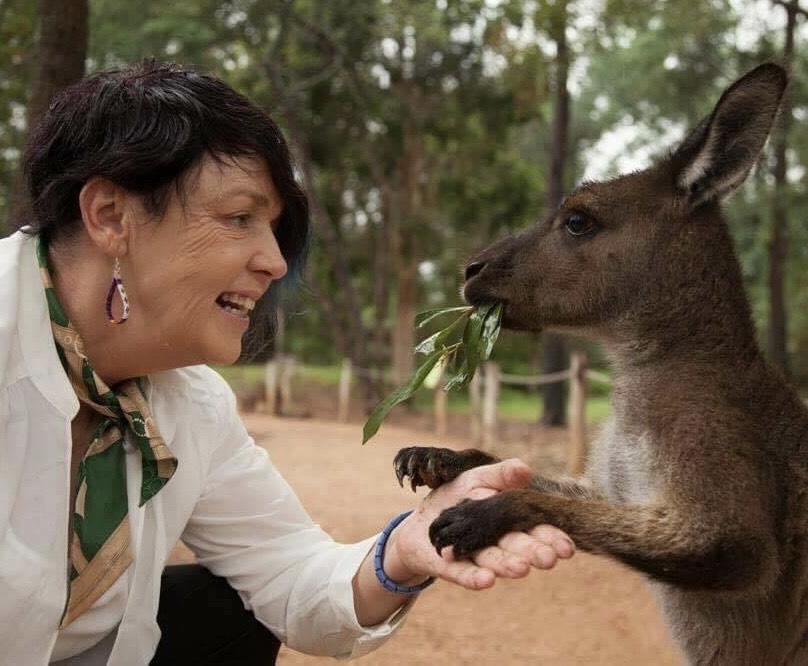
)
(204, 623)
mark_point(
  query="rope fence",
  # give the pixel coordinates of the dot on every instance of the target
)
(484, 391)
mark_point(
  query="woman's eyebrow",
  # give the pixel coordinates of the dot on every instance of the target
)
(256, 196)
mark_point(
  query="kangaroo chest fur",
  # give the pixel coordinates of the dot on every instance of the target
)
(628, 467)
(622, 465)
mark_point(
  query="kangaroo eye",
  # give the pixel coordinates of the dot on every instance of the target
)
(578, 225)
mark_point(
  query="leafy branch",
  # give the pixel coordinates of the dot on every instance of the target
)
(457, 349)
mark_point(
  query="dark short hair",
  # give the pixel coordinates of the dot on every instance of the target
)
(146, 128)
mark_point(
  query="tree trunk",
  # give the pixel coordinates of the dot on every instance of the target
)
(325, 227)
(405, 253)
(554, 352)
(404, 332)
(778, 238)
(380, 251)
(61, 52)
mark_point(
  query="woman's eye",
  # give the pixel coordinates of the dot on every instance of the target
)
(578, 225)
(242, 220)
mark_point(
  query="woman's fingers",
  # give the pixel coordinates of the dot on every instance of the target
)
(540, 553)
(504, 563)
(553, 537)
(467, 574)
(517, 552)
(513, 557)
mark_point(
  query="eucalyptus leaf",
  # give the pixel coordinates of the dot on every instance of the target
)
(398, 396)
(459, 380)
(490, 331)
(424, 318)
(428, 345)
(432, 380)
(458, 358)
(472, 340)
(437, 340)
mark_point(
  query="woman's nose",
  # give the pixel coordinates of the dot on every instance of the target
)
(269, 259)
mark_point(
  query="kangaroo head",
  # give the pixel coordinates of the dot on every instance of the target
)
(622, 256)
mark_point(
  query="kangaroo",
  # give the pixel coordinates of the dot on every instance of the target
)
(699, 477)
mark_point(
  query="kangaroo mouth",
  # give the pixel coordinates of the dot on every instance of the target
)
(475, 293)
(513, 319)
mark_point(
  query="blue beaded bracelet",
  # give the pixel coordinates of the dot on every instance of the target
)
(378, 562)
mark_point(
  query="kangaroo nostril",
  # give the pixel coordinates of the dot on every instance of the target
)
(474, 268)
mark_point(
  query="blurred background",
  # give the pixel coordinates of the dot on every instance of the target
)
(423, 130)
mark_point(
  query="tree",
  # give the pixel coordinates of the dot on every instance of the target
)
(778, 238)
(554, 348)
(384, 109)
(17, 39)
(61, 51)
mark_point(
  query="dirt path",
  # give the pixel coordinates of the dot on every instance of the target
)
(586, 611)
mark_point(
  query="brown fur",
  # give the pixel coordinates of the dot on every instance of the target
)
(699, 479)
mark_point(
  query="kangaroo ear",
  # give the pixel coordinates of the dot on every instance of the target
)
(721, 151)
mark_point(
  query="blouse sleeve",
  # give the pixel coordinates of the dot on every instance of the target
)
(250, 527)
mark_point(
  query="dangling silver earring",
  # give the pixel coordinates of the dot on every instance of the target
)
(117, 285)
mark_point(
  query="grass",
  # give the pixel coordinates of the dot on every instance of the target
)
(244, 375)
(513, 404)
(241, 375)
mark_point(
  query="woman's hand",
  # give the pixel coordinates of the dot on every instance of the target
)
(410, 556)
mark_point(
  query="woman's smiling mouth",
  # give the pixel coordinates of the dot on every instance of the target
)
(236, 304)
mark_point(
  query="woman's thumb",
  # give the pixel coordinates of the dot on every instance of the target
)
(506, 475)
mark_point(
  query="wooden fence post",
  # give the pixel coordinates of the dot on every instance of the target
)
(344, 395)
(440, 403)
(577, 415)
(475, 400)
(286, 375)
(271, 386)
(490, 397)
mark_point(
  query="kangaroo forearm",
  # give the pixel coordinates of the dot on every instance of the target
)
(655, 540)
(564, 487)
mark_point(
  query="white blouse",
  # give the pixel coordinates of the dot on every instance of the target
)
(226, 501)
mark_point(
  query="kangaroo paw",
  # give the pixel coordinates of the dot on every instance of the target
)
(430, 466)
(473, 525)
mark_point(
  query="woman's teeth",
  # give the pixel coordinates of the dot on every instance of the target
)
(236, 303)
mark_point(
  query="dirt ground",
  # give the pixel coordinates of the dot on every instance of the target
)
(586, 611)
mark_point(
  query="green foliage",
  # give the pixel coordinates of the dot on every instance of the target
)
(478, 328)
(17, 26)
(426, 122)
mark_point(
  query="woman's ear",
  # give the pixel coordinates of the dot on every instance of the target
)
(103, 206)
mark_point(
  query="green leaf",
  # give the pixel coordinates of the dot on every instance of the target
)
(479, 335)
(424, 318)
(490, 331)
(457, 360)
(401, 394)
(432, 380)
(459, 380)
(437, 340)
(460, 359)
(472, 339)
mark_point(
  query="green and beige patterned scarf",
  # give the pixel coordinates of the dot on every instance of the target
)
(100, 547)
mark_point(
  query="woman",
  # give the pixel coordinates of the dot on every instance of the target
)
(165, 207)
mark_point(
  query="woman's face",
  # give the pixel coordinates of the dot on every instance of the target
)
(194, 275)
